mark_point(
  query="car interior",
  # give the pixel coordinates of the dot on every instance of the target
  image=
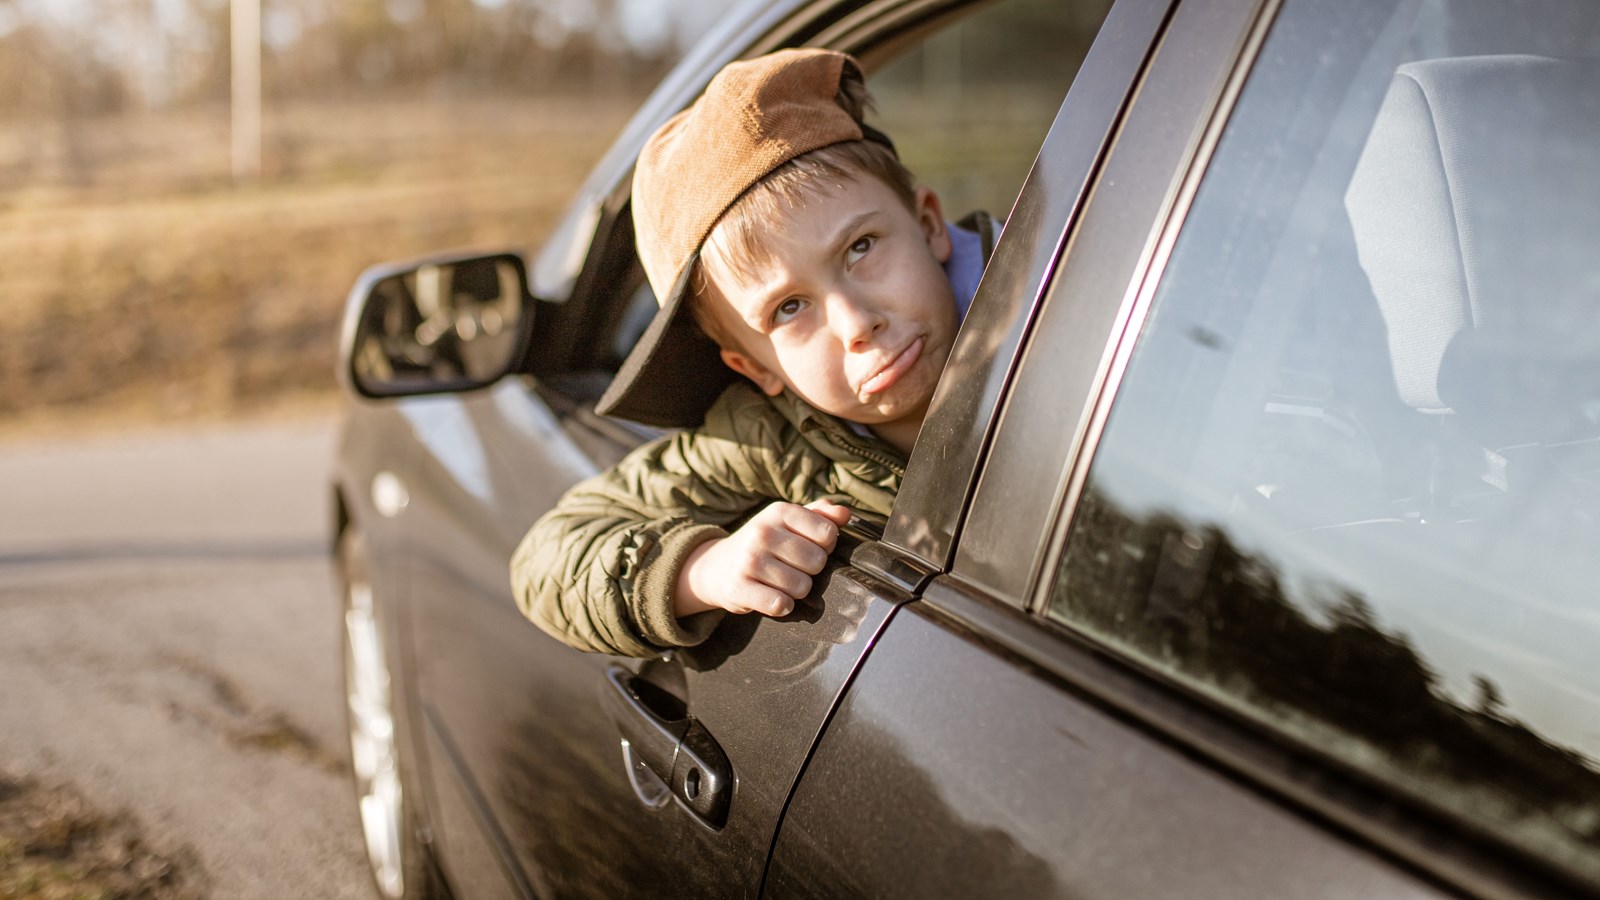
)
(1469, 398)
(1423, 338)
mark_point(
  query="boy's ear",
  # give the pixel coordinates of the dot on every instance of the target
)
(930, 215)
(769, 383)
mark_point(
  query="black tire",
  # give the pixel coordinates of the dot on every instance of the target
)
(380, 771)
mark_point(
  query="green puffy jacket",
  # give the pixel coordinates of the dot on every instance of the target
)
(598, 571)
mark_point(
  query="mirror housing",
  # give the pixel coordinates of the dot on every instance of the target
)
(452, 322)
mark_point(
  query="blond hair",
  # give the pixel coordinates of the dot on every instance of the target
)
(740, 232)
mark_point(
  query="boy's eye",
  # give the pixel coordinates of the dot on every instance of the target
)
(859, 248)
(787, 310)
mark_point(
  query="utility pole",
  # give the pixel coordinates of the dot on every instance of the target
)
(245, 23)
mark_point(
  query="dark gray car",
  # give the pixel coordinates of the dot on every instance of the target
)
(1249, 549)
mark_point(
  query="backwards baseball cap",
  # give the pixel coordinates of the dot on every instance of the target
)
(755, 116)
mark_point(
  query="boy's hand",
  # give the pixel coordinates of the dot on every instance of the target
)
(764, 566)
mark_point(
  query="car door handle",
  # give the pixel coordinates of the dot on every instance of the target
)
(668, 754)
(652, 723)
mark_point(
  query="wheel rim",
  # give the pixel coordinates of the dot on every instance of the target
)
(372, 740)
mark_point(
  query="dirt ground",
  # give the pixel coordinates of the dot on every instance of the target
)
(56, 845)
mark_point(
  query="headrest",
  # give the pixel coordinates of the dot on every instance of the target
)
(1476, 206)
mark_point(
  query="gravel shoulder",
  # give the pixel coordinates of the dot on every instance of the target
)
(54, 843)
(171, 718)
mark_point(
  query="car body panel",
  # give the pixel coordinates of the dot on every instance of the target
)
(520, 746)
(949, 748)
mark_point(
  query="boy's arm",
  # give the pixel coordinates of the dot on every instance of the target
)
(601, 572)
(598, 572)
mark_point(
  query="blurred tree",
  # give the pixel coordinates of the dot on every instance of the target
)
(54, 73)
(90, 57)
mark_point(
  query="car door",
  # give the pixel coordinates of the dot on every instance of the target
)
(1261, 591)
(552, 772)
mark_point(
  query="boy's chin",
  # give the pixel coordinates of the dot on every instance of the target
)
(889, 412)
(901, 402)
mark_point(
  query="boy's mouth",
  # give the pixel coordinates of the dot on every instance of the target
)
(889, 374)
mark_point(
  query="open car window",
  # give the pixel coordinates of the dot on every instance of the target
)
(967, 102)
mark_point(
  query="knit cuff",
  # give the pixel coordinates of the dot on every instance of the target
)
(656, 583)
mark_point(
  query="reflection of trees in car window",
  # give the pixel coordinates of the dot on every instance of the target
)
(1351, 481)
(1189, 599)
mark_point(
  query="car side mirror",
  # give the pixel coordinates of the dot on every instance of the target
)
(443, 323)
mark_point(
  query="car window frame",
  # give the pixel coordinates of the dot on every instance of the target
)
(964, 411)
(1094, 297)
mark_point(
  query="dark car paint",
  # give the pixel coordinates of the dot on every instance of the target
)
(1012, 756)
(511, 720)
(951, 749)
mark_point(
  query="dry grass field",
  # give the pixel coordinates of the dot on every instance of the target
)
(137, 282)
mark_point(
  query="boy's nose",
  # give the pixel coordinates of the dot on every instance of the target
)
(855, 322)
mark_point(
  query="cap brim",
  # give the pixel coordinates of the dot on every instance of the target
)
(673, 374)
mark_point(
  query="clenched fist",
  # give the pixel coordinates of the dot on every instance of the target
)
(764, 566)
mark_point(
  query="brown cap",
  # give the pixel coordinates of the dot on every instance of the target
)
(755, 115)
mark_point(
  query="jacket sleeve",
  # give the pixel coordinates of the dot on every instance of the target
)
(598, 572)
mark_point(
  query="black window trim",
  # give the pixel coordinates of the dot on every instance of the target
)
(1136, 306)
(962, 419)
(1094, 298)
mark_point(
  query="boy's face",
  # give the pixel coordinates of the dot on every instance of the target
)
(850, 308)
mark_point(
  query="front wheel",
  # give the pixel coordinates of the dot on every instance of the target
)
(395, 854)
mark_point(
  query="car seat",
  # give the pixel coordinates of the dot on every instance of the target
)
(1475, 206)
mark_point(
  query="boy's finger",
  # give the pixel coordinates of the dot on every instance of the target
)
(799, 552)
(791, 582)
(811, 525)
(839, 514)
(780, 607)
(769, 601)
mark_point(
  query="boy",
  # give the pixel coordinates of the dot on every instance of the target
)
(789, 246)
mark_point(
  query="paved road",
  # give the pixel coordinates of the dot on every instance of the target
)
(168, 646)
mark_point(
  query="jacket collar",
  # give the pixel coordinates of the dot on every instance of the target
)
(833, 437)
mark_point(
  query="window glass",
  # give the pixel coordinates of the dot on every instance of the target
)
(968, 105)
(1350, 484)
